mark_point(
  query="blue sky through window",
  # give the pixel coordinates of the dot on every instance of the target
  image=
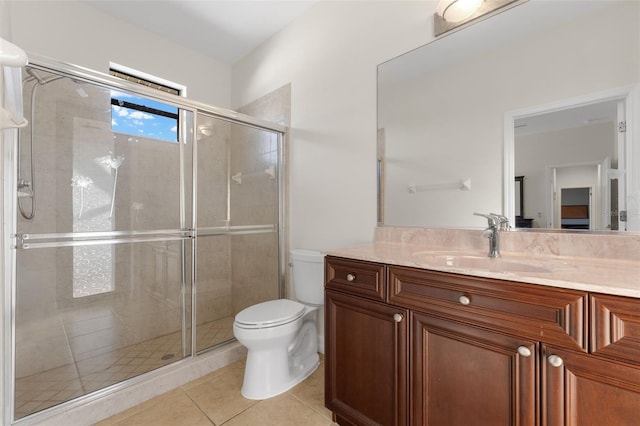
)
(143, 117)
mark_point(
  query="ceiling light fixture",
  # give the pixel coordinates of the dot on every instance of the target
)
(457, 10)
(451, 14)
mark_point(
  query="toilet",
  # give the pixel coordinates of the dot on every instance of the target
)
(281, 335)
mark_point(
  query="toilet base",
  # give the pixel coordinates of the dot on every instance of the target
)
(267, 381)
(280, 357)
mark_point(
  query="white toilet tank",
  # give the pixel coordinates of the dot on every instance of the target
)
(307, 275)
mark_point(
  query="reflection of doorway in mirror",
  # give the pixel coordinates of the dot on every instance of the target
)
(574, 131)
(575, 192)
(575, 208)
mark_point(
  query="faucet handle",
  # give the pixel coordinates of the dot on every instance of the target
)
(492, 219)
(503, 221)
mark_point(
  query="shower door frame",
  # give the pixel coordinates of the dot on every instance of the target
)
(12, 242)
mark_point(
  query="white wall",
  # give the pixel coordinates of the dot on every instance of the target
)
(329, 56)
(74, 32)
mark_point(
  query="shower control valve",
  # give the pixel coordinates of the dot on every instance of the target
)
(25, 188)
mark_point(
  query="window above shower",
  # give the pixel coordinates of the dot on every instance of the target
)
(143, 117)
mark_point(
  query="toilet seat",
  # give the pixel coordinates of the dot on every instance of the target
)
(270, 314)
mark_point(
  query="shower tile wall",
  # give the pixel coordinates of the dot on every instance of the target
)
(249, 203)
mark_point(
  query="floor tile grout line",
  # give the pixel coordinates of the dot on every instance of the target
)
(311, 407)
(199, 408)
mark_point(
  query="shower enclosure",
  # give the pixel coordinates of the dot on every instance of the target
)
(142, 223)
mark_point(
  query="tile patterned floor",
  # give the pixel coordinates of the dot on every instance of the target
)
(51, 387)
(215, 400)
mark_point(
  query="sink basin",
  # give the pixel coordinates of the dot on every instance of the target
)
(473, 261)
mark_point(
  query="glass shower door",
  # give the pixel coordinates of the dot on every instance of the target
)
(237, 224)
(103, 241)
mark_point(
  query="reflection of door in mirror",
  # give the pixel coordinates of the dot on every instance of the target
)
(521, 220)
(519, 196)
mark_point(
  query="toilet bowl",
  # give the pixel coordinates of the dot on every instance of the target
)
(281, 335)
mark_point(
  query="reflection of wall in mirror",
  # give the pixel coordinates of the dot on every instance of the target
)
(448, 123)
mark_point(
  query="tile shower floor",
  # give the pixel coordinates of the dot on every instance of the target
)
(48, 388)
(215, 399)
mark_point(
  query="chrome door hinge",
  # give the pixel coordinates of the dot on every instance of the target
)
(622, 126)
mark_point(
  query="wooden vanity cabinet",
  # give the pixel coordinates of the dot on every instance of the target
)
(474, 344)
(366, 357)
(601, 388)
(476, 351)
(465, 375)
(615, 327)
(583, 390)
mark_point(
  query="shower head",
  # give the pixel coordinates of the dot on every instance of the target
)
(34, 74)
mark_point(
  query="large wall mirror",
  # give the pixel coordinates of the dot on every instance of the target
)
(546, 91)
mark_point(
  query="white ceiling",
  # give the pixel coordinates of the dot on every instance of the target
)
(600, 112)
(226, 30)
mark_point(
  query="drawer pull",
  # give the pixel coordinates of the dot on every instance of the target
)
(524, 351)
(351, 277)
(464, 300)
(398, 317)
(555, 360)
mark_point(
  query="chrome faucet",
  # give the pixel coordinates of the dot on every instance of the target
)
(493, 232)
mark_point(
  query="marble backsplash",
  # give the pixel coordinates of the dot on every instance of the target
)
(623, 246)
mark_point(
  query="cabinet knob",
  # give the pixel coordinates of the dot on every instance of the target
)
(398, 317)
(351, 277)
(555, 360)
(524, 351)
(464, 300)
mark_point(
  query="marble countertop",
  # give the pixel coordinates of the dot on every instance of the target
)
(593, 274)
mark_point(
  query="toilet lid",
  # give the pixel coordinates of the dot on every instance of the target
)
(270, 314)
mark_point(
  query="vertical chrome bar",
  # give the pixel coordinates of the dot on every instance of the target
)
(194, 226)
(9, 193)
(282, 240)
(182, 141)
(228, 200)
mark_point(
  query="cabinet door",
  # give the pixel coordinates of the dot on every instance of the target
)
(366, 360)
(464, 375)
(584, 390)
(615, 327)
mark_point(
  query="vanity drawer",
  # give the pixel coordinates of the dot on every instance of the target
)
(547, 314)
(615, 327)
(357, 277)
